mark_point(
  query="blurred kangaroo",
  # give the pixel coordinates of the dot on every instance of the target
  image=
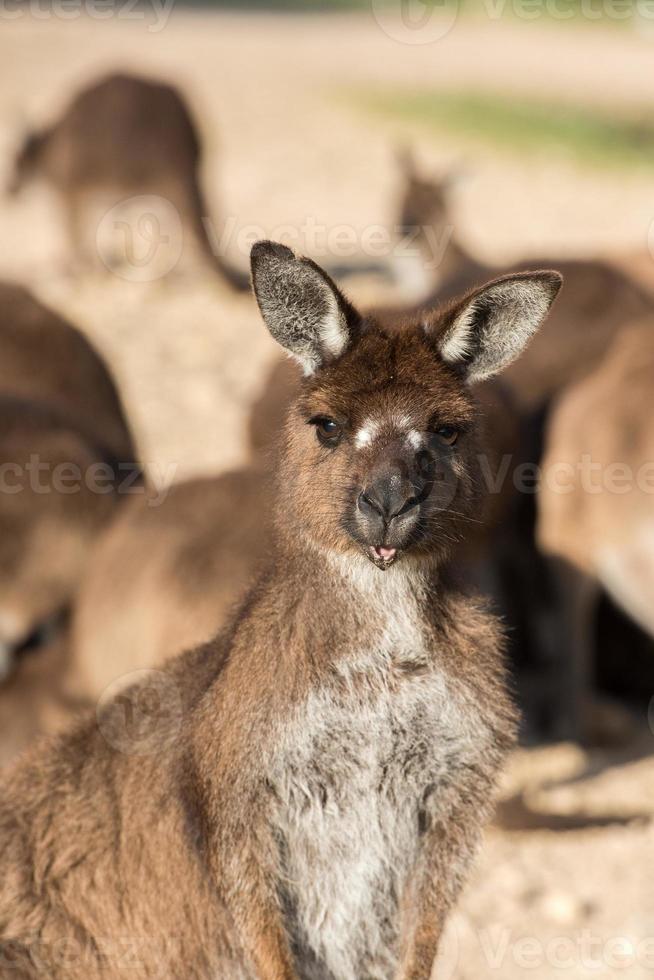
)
(35, 698)
(322, 772)
(164, 578)
(596, 500)
(123, 136)
(65, 452)
(598, 298)
(50, 512)
(44, 358)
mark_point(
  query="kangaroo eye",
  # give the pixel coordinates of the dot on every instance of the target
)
(448, 434)
(328, 431)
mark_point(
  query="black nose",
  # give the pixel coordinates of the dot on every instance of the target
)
(390, 497)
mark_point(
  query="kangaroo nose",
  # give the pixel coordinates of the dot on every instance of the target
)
(389, 497)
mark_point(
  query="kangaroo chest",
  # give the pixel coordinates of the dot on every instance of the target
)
(366, 764)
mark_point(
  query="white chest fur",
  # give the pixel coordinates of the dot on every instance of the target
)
(364, 760)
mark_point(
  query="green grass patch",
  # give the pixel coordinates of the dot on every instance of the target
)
(611, 12)
(588, 135)
(284, 6)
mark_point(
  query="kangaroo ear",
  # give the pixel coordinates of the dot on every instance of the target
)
(406, 161)
(487, 329)
(303, 309)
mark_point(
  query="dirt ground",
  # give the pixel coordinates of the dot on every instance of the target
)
(564, 885)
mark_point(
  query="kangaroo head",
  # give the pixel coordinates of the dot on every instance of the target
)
(382, 442)
(425, 201)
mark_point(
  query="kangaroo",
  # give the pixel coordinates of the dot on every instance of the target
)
(596, 500)
(324, 768)
(35, 698)
(597, 301)
(45, 358)
(120, 137)
(62, 423)
(427, 253)
(50, 511)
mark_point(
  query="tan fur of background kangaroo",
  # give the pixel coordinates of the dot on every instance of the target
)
(596, 502)
(45, 358)
(49, 517)
(35, 698)
(164, 577)
(120, 137)
(324, 768)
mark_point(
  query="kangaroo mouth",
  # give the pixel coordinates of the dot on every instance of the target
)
(382, 556)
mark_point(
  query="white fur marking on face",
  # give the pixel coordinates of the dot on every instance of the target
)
(396, 422)
(415, 439)
(366, 434)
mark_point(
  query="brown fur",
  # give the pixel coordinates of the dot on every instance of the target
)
(186, 850)
(123, 136)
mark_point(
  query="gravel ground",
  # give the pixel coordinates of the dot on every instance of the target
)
(564, 883)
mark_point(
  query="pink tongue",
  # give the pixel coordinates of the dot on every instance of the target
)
(386, 552)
